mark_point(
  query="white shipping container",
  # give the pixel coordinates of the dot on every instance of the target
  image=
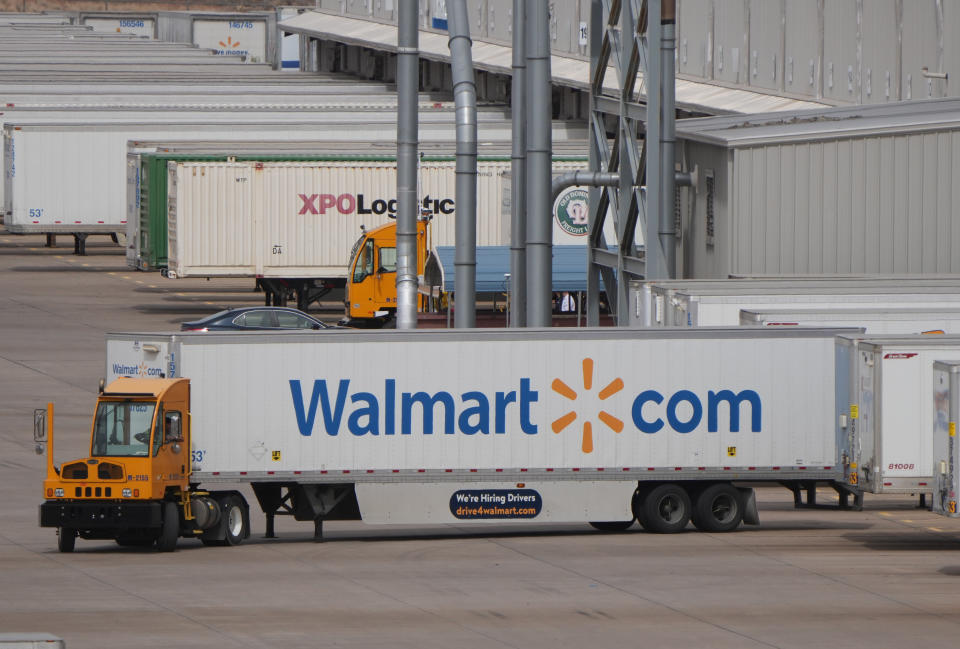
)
(301, 219)
(891, 420)
(892, 321)
(137, 25)
(71, 177)
(233, 37)
(628, 405)
(946, 451)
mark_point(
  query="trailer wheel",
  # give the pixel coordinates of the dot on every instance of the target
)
(66, 539)
(665, 509)
(234, 523)
(718, 509)
(167, 541)
(612, 526)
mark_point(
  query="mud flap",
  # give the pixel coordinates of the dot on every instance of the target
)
(750, 514)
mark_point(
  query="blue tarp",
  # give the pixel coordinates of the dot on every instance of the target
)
(493, 262)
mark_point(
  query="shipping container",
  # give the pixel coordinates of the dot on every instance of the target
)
(946, 451)
(252, 35)
(886, 426)
(71, 177)
(136, 24)
(300, 219)
(147, 177)
(891, 320)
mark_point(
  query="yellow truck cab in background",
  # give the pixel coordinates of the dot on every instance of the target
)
(371, 292)
(135, 485)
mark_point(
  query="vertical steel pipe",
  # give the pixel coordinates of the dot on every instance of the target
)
(408, 87)
(539, 160)
(518, 172)
(465, 100)
(668, 136)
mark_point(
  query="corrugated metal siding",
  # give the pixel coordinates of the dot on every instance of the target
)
(861, 205)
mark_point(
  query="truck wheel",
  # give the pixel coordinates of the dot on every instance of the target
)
(611, 526)
(66, 539)
(665, 509)
(167, 541)
(234, 522)
(718, 509)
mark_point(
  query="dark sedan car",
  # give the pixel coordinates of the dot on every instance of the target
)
(255, 318)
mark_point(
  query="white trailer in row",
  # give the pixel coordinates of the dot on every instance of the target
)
(71, 176)
(718, 303)
(461, 426)
(877, 321)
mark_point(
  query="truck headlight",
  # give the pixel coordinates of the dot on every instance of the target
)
(127, 493)
(58, 492)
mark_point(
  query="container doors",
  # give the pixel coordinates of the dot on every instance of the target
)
(863, 411)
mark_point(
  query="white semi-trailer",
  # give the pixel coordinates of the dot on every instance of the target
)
(605, 426)
(884, 416)
(946, 450)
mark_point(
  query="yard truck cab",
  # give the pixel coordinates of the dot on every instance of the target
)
(135, 486)
(371, 292)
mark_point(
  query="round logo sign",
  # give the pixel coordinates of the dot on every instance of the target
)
(571, 212)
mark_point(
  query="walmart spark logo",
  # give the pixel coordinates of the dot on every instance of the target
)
(564, 390)
(230, 44)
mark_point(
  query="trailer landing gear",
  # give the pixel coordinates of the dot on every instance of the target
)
(810, 486)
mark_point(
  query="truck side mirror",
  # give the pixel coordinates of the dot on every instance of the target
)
(40, 430)
(172, 428)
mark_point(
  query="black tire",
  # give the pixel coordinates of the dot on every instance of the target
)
(170, 531)
(234, 521)
(718, 508)
(664, 509)
(66, 539)
(612, 526)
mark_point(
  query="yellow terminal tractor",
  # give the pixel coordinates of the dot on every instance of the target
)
(371, 291)
(135, 487)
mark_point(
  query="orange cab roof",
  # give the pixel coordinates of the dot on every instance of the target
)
(147, 387)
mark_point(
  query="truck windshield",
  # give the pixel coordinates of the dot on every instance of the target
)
(364, 264)
(122, 428)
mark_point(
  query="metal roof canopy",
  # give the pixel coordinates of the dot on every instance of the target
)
(386, 148)
(493, 266)
(832, 123)
(566, 71)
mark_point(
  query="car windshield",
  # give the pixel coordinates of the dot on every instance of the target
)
(122, 428)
